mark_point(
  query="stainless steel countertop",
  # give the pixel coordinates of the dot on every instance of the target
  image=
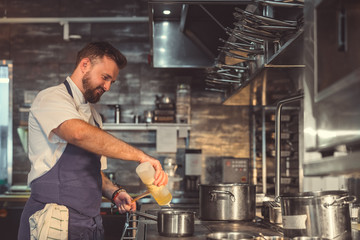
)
(202, 228)
(147, 229)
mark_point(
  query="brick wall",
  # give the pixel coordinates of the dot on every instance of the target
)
(42, 58)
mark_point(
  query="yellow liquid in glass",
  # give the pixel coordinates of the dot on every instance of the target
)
(162, 196)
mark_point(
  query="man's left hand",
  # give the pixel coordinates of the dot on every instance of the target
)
(123, 202)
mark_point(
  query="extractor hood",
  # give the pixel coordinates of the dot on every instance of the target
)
(189, 36)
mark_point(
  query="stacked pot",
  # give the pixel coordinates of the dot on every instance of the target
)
(322, 214)
(228, 202)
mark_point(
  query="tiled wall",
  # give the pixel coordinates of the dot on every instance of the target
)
(42, 58)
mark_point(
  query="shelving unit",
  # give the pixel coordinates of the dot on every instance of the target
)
(334, 165)
(286, 59)
(166, 138)
(276, 79)
(263, 148)
(143, 126)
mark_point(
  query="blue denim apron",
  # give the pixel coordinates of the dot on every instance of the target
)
(75, 182)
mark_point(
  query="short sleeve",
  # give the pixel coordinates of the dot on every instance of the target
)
(53, 107)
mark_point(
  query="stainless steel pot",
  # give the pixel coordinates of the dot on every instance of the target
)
(316, 214)
(228, 235)
(307, 238)
(175, 223)
(172, 222)
(271, 238)
(233, 201)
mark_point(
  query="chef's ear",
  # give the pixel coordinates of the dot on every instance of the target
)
(85, 64)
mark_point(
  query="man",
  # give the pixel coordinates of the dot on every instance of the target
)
(67, 149)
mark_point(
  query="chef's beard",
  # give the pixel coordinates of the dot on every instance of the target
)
(91, 94)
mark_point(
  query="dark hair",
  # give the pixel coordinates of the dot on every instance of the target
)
(96, 50)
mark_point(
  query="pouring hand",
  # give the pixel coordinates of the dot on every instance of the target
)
(161, 178)
(124, 203)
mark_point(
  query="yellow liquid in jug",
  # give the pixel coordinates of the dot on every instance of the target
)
(161, 197)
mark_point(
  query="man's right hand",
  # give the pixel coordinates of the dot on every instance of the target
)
(161, 178)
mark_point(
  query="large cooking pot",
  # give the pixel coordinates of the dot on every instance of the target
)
(317, 214)
(227, 201)
(173, 222)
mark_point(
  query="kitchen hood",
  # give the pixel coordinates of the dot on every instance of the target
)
(187, 34)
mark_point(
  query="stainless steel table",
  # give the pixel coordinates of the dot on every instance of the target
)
(203, 228)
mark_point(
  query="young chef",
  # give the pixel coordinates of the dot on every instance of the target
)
(67, 150)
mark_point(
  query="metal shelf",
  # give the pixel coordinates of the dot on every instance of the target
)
(287, 58)
(142, 126)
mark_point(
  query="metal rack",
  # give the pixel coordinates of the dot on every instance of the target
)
(130, 227)
(263, 148)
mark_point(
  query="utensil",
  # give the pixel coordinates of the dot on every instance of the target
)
(234, 55)
(267, 20)
(176, 223)
(282, 4)
(172, 222)
(277, 28)
(147, 193)
(233, 66)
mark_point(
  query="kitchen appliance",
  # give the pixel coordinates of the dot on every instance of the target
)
(317, 214)
(235, 170)
(193, 169)
(336, 35)
(172, 222)
(235, 201)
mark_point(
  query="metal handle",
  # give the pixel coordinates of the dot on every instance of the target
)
(146, 215)
(141, 196)
(341, 201)
(212, 195)
(277, 139)
(342, 30)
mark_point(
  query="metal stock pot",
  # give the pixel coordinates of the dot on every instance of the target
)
(172, 222)
(322, 214)
(176, 223)
(233, 201)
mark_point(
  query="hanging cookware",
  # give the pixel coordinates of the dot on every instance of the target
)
(173, 222)
(228, 201)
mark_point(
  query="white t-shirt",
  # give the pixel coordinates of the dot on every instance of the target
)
(50, 108)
